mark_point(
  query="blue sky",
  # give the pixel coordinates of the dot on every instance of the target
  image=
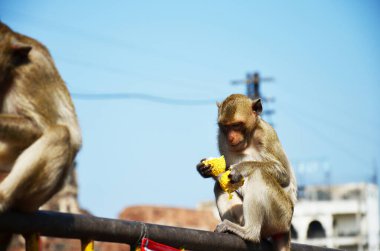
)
(324, 57)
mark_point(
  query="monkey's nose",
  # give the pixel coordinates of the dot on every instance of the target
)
(231, 139)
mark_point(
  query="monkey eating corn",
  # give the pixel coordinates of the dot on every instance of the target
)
(253, 150)
(218, 169)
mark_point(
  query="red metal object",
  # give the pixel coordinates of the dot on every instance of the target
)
(149, 245)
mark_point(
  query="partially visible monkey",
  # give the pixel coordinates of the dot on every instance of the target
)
(263, 207)
(39, 131)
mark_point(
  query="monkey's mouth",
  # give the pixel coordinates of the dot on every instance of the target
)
(238, 146)
(235, 143)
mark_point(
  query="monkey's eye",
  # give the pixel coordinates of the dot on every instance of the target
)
(237, 126)
(223, 127)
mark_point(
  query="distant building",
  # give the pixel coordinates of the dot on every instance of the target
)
(171, 216)
(342, 216)
(66, 200)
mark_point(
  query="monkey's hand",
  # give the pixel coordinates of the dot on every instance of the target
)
(235, 176)
(204, 170)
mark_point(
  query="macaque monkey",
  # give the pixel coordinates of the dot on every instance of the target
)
(263, 207)
(39, 131)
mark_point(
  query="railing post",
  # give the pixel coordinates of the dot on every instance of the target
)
(135, 248)
(87, 245)
(32, 242)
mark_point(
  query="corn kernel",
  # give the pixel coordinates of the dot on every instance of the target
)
(218, 165)
(226, 185)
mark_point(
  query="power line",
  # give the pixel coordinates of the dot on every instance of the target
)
(107, 39)
(327, 139)
(116, 42)
(185, 82)
(142, 96)
(368, 121)
(331, 124)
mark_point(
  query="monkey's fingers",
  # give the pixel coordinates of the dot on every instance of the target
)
(221, 228)
(204, 170)
(235, 178)
(201, 165)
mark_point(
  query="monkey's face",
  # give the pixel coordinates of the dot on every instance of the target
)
(234, 135)
(12, 53)
(5, 55)
(236, 121)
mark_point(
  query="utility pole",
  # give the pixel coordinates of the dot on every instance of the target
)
(253, 82)
(373, 179)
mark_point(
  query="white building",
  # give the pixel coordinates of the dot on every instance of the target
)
(342, 216)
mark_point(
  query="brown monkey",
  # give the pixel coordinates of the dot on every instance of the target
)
(39, 131)
(263, 207)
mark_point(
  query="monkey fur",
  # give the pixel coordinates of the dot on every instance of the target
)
(39, 131)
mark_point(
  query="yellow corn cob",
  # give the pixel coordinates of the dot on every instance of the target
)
(218, 165)
(218, 168)
(226, 185)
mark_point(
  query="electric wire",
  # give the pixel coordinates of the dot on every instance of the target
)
(326, 139)
(108, 40)
(154, 78)
(333, 124)
(143, 96)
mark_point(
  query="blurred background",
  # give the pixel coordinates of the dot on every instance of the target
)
(145, 77)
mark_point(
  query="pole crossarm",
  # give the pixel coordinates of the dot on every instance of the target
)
(75, 226)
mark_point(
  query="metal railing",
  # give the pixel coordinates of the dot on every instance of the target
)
(89, 229)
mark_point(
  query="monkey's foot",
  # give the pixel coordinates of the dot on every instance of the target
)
(227, 226)
(3, 207)
(5, 202)
(221, 228)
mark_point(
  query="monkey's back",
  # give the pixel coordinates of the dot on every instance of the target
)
(37, 90)
(276, 147)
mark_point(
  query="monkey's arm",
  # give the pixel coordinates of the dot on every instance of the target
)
(18, 130)
(274, 168)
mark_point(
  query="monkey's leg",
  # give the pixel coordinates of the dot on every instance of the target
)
(17, 130)
(256, 207)
(38, 172)
(230, 209)
(279, 214)
(253, 212)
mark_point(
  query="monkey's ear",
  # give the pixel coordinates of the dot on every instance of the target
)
(20, 49)
(257, 107)
(218, 104)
